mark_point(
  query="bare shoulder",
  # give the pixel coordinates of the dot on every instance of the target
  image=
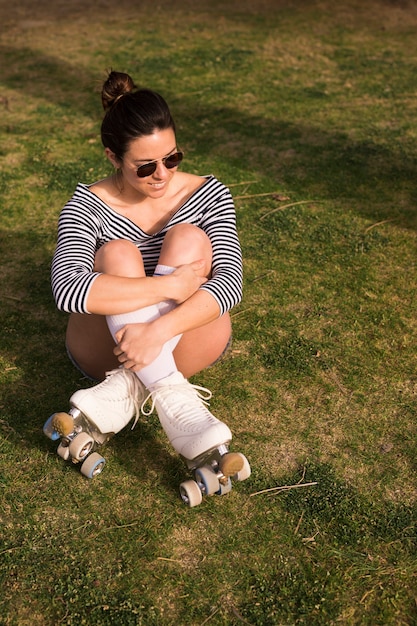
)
(110, 193)
(187, 184)
(190, 181)
(102, 188)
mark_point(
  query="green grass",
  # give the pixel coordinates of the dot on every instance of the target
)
(307, 111)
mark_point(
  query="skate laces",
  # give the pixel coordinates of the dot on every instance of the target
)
(134, 393)
(187, 402)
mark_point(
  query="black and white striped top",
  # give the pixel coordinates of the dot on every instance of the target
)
(86, 223)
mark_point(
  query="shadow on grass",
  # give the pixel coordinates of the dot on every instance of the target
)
(376, 181)
(36, 376)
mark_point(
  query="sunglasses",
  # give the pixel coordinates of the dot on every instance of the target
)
(173, 160)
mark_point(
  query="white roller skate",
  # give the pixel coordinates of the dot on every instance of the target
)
(96, 414)
(199, 437)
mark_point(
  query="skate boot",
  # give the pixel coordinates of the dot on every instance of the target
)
(96, 414)
(199, 437)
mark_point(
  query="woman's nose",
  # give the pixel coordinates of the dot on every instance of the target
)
(161, 170)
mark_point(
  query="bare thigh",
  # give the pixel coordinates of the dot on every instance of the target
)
(90, 344)
(201, 347)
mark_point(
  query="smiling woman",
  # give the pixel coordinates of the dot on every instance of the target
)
(148, 264)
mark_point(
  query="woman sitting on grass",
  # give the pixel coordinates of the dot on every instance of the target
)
(148, 264)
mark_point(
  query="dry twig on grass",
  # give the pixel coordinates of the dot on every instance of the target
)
(287, 206)
(282, 488)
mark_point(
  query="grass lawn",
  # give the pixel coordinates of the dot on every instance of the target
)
(307, 111)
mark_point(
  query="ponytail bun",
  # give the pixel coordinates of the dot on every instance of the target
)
(117, 85)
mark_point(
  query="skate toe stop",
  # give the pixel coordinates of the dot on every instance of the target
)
(63, 424)
(231, 463)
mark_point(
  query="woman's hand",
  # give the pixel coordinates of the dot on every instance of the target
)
(138, 345)
(187, 280)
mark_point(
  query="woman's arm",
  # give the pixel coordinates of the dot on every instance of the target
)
(78, 288)
(112, 295)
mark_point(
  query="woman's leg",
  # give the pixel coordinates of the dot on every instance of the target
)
(199, 348)
(91, 345)
(88, 337)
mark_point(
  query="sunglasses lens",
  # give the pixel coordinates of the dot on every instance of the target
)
(173, 160)
(146, 170)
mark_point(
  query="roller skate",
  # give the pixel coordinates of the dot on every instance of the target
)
(199, 438)
(96, 414)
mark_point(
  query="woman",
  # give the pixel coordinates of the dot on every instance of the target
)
(148, 264)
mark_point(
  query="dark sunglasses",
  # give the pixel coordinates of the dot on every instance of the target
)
(169, 161)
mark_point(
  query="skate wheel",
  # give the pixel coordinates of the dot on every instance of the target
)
(80, 446)
(231, 463)
(63, 451)
(207, 480)
(225, 488)
(245, 472)
(93, 465)
(63, 424)
(190, 493)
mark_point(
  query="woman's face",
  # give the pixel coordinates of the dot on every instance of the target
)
(153, 147)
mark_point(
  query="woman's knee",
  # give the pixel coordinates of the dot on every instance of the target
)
(119, 257)
(186, 243)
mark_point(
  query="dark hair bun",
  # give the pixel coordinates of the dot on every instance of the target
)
(116, 86)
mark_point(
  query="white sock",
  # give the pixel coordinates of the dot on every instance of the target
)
(164, 365)
(167, 305)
